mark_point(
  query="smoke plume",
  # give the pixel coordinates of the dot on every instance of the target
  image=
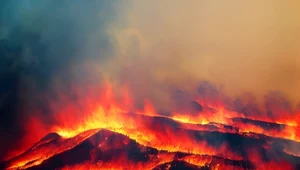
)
(242, 53)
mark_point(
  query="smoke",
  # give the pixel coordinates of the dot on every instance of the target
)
(44, 45)
(240, 46)
(157, 48)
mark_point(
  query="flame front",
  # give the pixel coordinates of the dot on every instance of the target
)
(169, 133)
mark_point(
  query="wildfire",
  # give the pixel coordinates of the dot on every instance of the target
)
(178, 132)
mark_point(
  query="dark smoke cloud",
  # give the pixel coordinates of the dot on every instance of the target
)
(44, 41)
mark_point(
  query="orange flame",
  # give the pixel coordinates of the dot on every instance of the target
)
(106, 112)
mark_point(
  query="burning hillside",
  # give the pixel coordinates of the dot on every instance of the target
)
(158, 85)
(113, 135)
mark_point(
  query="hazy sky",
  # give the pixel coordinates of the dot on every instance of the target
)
(243, 46)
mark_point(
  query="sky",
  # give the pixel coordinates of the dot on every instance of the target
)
(154, 47)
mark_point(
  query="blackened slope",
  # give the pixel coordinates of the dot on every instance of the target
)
(263, 124)
(78, 154)
(49, 139)
(52, 144)
(106, 146)
(240, 145)
(179, 165)
(110, 147)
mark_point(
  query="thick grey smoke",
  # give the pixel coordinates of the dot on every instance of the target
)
(42, 44)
